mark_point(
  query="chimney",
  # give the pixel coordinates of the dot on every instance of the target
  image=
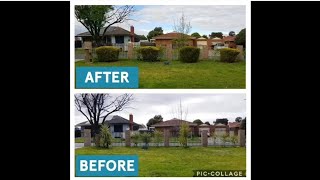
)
(131, 122)
(132, 33)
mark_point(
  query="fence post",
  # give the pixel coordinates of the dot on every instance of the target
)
(169, 52)
(242, 138)
(204, 138)
(240, 56)
(87, 137)
(128, 138)
(130, 50)
(204, 53)
(166, 137)
(88, 51)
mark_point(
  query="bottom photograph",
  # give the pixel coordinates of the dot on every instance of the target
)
(160, 135)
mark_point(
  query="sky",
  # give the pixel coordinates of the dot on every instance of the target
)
(203, 19)
(206, 107)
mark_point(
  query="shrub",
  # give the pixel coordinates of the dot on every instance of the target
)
(105, 137)
(229, 55)
(137, 50)
(149, 53)
(135, 138)
(158, 137)
(146, 138)
(189, 54)
(107, 54)
(224, 138)
(183, 134)
(234, 140)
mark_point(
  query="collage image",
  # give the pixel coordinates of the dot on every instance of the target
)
(159, 90)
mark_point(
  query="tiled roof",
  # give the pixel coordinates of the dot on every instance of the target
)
(234, 124)
(172, 35)
(229, 38)
(173, 122)
(112, 30)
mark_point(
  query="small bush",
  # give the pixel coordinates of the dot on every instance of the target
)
(146, 138)
(105, 137)
(189, 54)
(234, 140)
(183, 134)
(135, 138)
(107, 54)
(157, 137)
(229, 55)
(149, 53)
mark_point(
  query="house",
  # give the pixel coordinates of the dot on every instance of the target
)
(229, 41)
(234, 128)
(173, 126)
(168, 39)
(117, 125)
(114, 36)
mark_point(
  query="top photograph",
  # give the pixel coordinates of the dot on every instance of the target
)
(160, 47)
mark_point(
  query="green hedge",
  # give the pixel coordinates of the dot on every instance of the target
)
(189, 54)
(229, 55)
(149, 53)
(107, 54)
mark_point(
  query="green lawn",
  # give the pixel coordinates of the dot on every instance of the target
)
(177, 161)
(79, 140)
(204, 74)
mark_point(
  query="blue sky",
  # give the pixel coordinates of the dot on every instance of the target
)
(203, 19)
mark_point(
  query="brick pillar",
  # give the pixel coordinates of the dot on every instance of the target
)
(242, 138)
(166, 137)
(130, 51)
(205, 52)
(128, 138)
(169, 51)
(87, 137)
(204, 138)
(241, 55)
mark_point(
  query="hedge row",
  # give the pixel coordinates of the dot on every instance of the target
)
(107, 54)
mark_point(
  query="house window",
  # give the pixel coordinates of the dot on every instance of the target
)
(118, 128)
(119, 39)
(108, 39)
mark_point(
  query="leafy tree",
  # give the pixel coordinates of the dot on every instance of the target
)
(105, 137)
(216, 34)
(158, 137)
(198, 121)
(205, 36)
(232, 33)
(207, 122)
(238, 119)
(241, 38)
(183, 27)
(142, 37)
(156, 119)
(155, 32)
(183, 134)
(95, 17)
(135, 138)
(195, 34)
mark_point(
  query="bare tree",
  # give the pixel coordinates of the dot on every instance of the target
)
(180, 111)
(183, 27)
(97, 107)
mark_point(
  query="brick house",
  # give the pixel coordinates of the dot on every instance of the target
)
(173, 126)
(117, 125)
(168, 39)
(234, 128)
(114, 36)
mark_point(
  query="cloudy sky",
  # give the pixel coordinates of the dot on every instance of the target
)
(203, 19)
(206, 107)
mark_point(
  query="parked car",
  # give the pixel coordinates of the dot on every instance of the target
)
(219, 46)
